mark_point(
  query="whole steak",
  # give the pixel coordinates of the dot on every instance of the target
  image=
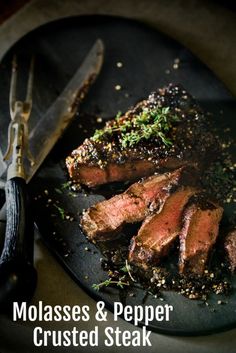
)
(163, 132)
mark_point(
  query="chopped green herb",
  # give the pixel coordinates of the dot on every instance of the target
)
(72, 194)
(66, 185)
(58, 190)
(118, 115)
(149, 123)
(60, 210)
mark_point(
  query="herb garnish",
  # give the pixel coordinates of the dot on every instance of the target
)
(65, 185)
(121, 281)
(58, 191)
(149, 123)
(127, 268)
(109, 282)
(60, 210)
(118, 115)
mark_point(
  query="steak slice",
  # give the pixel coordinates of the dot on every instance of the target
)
(118, 153)
(230, 249)
(159, 231)
(101, 221)
(198, 235)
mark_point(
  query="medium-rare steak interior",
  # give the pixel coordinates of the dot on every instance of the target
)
(167, 130)
(101, 221)
(198, 235)
(159, 231)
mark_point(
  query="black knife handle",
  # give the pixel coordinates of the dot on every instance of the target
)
(17, 274)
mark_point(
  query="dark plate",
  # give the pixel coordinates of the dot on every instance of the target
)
(148, 57)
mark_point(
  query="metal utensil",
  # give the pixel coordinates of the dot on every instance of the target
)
(18, 277)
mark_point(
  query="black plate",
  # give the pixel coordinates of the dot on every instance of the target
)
(148, 58)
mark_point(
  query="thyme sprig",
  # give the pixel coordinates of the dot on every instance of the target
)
(127, 269)
(149, 123)
(108, 282)
(121, 281)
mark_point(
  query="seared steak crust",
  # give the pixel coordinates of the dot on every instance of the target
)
(101, 221)
(159, 231)
(98, 162)
(198, 235)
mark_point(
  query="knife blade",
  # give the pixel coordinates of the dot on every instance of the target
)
(51, 126)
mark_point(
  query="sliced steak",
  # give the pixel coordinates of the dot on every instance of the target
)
(198, 235)
(230, 249)
(159, 231)
(101, 221)
(108, 157)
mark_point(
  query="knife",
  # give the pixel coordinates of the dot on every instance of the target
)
(18, 281)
